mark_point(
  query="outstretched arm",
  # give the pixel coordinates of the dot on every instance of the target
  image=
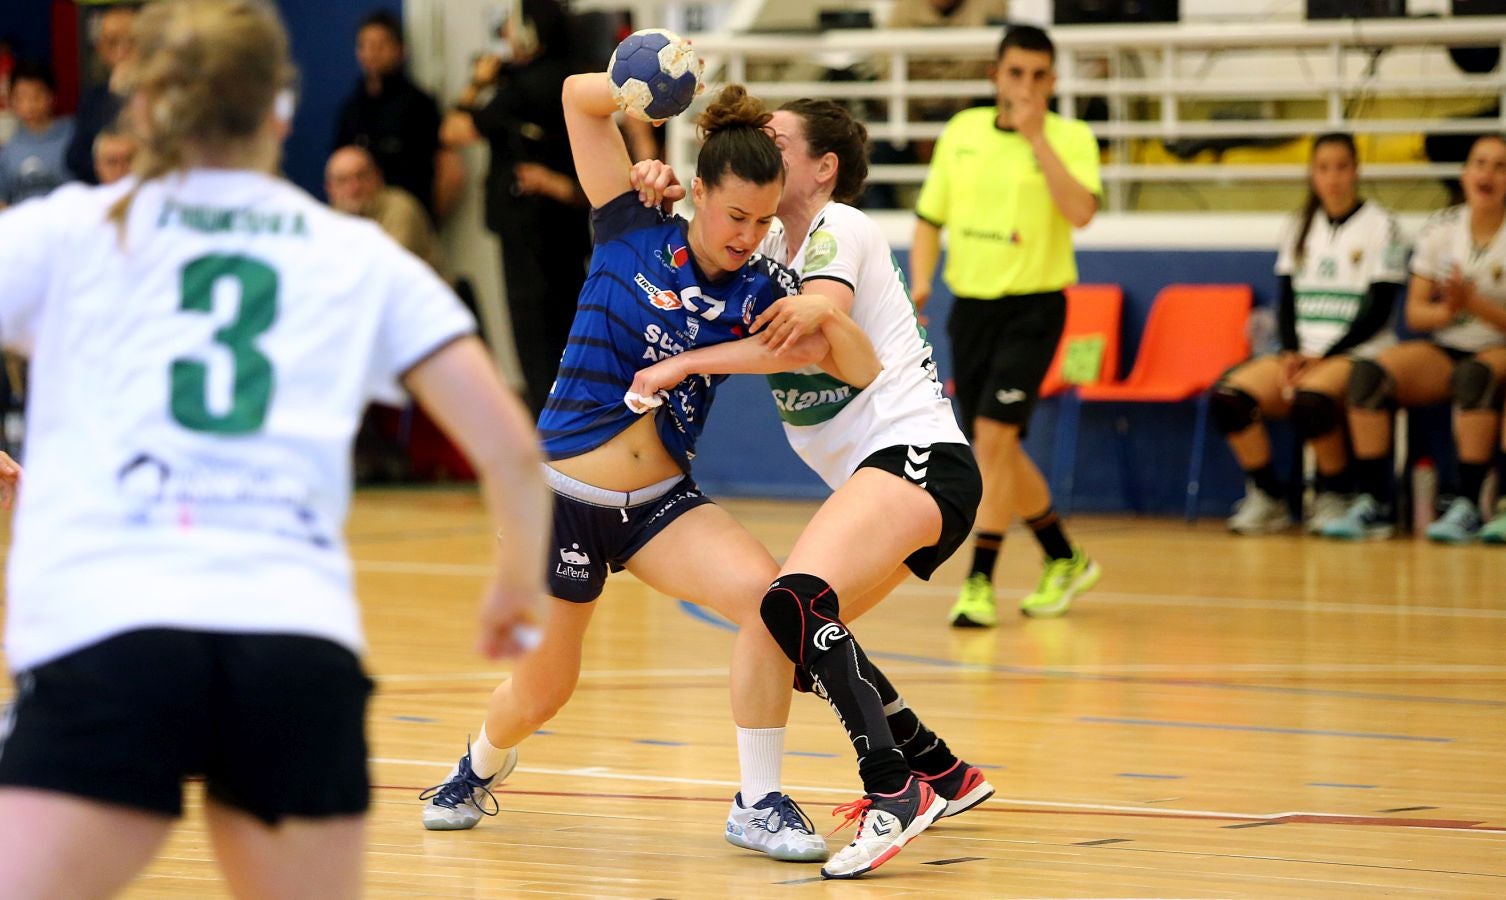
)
(601, 158)
(824, 310)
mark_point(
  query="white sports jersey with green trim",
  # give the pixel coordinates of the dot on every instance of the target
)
(1444, 243)
(195, 386)
(1339, 265)
(834, 426)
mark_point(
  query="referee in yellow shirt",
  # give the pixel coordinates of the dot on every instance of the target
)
(1009, 183)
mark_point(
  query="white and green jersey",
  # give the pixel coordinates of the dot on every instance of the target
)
(195, 384)
(832, 425)
(1341, 260)
(1444, 243)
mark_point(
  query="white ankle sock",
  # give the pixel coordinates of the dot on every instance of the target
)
(486, 760)
(760, 757)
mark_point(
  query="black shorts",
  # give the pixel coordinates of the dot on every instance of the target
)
(1001, 350)
(949, 474)
(597, 531)
(275, 723)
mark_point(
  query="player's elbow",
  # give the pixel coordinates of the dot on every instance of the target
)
(807, 351)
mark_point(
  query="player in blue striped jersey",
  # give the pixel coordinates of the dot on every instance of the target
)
(659, 286)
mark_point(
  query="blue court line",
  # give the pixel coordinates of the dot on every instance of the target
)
(810, 753)
(661, 743)
(1336, 784)
(716, 621)
(1150, 775)
(419, 719)
(1213, 726)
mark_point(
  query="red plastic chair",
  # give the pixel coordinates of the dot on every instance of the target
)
(1194, 334)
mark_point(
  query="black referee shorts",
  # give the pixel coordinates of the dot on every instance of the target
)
(1001, 350)
(275, 723)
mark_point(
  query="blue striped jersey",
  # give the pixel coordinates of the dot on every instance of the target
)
(645, 300)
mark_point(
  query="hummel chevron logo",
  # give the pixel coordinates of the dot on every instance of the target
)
(916, 456)
(915, 465)
(882, 828)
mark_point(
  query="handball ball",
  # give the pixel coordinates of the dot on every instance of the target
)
(655, 74)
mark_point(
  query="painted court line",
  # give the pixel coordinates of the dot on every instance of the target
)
(1016, 804)
(1267, 729)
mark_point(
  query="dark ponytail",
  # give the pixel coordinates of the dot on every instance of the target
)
(830, 128)
(737, 141)
(1310, 206)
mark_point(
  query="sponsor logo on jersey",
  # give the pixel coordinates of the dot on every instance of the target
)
(672, 257)
(1356, 256)
(820, 251)
(657, 297)
(574, 556)
(794, 399)
(157, 491)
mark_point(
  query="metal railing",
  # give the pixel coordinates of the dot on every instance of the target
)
(1159, 83)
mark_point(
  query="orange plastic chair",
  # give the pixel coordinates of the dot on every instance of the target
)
(1194, 334)
(1092, 310)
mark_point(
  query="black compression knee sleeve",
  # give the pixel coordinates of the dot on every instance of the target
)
(1314, 415)
(802, 614)
(1475, 386)
(1371, 386)
(1232, 409)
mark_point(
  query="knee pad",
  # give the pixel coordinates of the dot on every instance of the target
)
(1315, 415)
(1475, 386)
(1232, 409)
(802, 614)
(1371, 386)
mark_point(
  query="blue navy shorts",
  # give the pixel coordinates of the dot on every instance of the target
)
(596, 531)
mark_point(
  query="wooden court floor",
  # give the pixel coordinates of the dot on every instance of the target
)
(1222, 717)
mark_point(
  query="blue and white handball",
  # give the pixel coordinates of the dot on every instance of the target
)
(655, 74)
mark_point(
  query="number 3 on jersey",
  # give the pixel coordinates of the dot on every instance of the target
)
(252, 377)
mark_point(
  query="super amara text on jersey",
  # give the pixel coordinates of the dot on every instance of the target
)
(213, 220)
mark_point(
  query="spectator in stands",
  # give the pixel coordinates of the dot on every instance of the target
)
(1457, 296)
(1009, 183)
(533, 201)
(354, 185)
(100, 104)
(114, 152)
(946, 14)
(1340, 267)
(32, 164)
(388, 114)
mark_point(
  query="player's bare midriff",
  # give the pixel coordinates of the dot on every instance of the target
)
(634, 459)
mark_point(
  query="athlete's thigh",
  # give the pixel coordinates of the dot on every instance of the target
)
(58, 845)
(1422, 372)
(1495, 358)
(1261, 379)
(864, 530)
(852, 609)
(707, 557)
(1327, 376)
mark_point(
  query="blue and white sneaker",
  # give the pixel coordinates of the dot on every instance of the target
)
(1459, 524)
(464, 797)
(775, 825)
(1364, 520)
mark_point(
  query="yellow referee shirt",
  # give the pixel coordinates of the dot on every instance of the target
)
(1005, 235)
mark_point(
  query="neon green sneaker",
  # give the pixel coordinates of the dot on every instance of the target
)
(1494, 531)
(975, 607)
(1062, 580)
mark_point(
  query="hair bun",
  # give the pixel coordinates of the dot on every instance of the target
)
(734, 107)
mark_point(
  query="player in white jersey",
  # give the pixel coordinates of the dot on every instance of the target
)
(1341, 266)
(1458, 295)
(203, 339)
(892, 453)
